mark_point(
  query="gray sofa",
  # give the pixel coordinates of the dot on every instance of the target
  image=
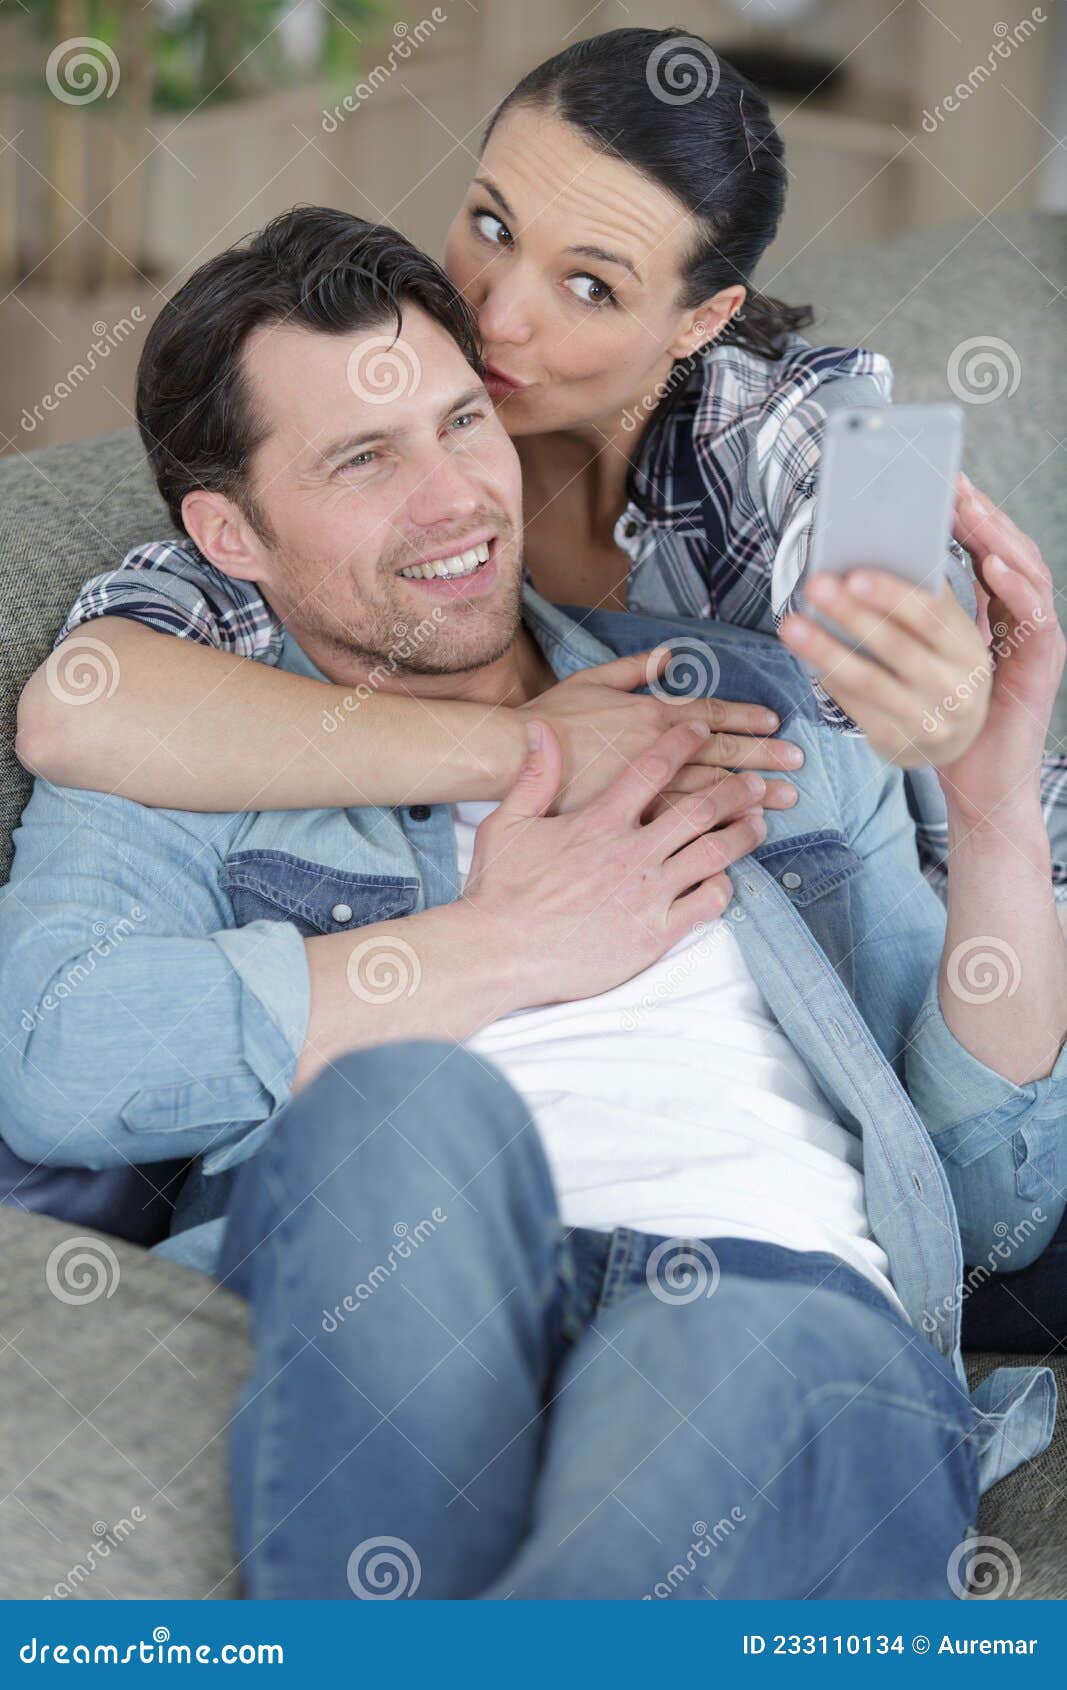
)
(115, 1407)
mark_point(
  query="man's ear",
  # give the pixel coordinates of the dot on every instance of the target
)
(705, 321)
(219, 529)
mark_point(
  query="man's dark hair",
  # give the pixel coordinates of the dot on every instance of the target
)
(312, 267)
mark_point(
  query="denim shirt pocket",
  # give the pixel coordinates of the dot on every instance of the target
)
(814, 871)
(276, 886)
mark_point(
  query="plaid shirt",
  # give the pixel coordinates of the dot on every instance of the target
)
(731, 478)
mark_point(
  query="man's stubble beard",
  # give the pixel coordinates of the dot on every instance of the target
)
(441, 639)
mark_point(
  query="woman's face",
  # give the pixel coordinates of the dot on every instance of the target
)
(573, 262)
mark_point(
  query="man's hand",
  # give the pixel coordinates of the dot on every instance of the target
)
(583, 901)
(603, 725)
(925, 698)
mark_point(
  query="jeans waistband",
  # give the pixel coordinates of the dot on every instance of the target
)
(605, 1266)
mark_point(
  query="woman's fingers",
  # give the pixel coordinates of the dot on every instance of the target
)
(901, 637)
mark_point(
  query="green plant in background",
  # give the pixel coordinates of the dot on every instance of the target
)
(94, 71)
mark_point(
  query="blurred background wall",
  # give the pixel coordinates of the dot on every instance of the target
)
(137, 140)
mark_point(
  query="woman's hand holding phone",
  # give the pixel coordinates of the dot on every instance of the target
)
(920, 688)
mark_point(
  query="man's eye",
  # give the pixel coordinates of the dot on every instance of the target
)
(491, 228)
(466, 420)
(360, 460)
(591, 289)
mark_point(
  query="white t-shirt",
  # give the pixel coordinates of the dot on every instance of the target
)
(676, 1105)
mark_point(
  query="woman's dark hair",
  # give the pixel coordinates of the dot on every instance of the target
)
(316, 268)
(664, 102)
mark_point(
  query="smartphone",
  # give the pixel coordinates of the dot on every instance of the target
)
(885, 494)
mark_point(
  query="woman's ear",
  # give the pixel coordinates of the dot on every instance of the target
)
(703, 323)
(220, 530)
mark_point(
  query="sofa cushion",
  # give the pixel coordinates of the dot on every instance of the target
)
(66, 514)
(119, 1375)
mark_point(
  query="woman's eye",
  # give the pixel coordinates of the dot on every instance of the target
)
(591, 289)
(491, 228)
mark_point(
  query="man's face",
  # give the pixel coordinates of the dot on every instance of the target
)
(385, 457)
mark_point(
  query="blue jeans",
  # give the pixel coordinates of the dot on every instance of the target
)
(454, 1397)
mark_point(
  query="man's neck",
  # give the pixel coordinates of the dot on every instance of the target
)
(522, 673)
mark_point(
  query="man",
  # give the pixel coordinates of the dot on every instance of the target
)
(687, 1247)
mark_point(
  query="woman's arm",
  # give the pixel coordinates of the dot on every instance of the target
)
(183, 726)
(175, 724)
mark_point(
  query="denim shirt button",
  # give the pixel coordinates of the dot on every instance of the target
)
(341, 912)
(792, 880)
(419, 812)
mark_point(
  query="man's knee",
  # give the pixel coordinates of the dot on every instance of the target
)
(415, 1117)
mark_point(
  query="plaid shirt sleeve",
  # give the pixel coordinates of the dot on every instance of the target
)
(170, 586)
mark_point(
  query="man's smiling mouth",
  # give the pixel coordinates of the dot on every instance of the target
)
(449, 568)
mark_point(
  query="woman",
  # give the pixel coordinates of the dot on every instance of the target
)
(667, 416)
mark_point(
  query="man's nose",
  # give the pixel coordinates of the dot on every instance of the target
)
(505, 315)
(445, 491)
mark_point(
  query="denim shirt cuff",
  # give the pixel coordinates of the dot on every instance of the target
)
(950, 1086)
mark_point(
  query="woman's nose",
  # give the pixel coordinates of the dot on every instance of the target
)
(504, 316)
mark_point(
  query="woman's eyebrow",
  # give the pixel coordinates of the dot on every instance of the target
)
(603, 257)
(596, 252)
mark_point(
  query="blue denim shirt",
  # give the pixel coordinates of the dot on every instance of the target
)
(182, 1041)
